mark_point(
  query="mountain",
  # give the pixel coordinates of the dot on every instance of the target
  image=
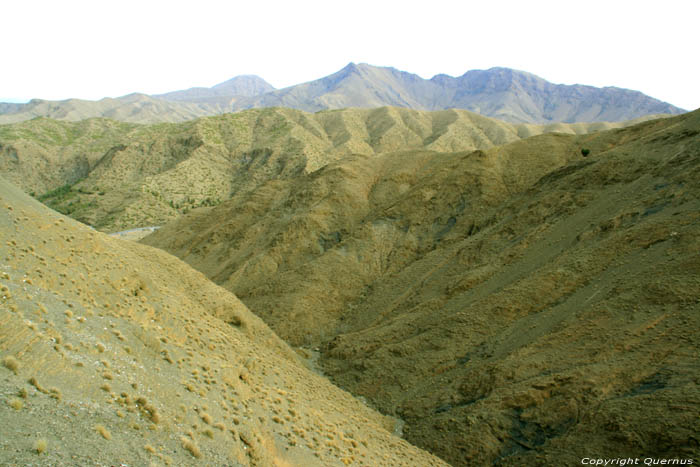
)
(114, 353)
(524, 304)
(116, 176)
(517, 96)
(510, 95)
(138, 108)
(239, 86)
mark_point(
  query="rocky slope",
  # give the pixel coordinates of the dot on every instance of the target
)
(114, 353)
(116, 176)
(516, 305)
(510, 95)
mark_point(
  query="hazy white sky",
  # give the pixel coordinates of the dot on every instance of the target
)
(92, 49)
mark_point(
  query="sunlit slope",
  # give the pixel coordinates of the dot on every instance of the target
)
(117, 353)
(515, 303)
(115, 176)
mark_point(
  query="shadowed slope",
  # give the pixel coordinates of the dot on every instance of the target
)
(116, 353)
(512, 304)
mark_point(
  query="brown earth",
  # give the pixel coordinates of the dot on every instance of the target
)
(517, 305)
(116, 353)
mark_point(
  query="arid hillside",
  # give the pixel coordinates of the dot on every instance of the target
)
(115, 176)
(115, 353)
(519, 305)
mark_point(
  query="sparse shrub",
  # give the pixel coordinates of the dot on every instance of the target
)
(40, 446)
(33, 381)
(11, 363)
(585, 152)
(55, 393)
(191, 447)
(16, 404)
(104, 432)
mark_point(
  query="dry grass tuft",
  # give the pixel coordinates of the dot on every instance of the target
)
(33, 381)
(104, 432)
(220, 426)
(40, 446)
(55, 393)
(191, 447)
(15, 404)
(11, 363)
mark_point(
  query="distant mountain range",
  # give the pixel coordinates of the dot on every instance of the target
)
(240, 86)
(510, 95)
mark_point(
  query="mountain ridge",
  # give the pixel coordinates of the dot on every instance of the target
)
(115, 175)
(236, 87)
(510, 95)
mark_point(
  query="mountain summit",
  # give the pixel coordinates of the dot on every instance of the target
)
(239, 86)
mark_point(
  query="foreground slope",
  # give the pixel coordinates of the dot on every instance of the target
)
(515, 305)
(116, 353)
(116, 176)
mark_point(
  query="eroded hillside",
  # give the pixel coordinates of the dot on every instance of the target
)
(114, 353)
(516, 305)
(116, 176)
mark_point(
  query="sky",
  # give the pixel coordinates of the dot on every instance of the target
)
(93, 49)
